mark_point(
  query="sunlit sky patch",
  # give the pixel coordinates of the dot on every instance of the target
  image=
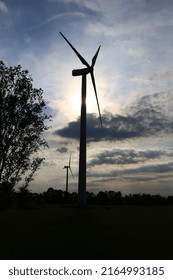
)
(134, 78)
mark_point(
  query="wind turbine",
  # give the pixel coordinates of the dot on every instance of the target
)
(68, 167)
(82, 152)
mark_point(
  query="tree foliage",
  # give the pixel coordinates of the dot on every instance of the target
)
(22, 125)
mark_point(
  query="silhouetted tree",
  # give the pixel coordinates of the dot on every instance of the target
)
(91, 198)
(24, 198)
(118, 198)
(21, 125)
(170, 200)
(102, 197)
(158, 200)
(6, 194)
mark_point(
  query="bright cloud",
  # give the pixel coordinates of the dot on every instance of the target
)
(3, 7)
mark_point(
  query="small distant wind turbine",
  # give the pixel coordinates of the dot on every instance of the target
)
(68, 167)
(82, 153)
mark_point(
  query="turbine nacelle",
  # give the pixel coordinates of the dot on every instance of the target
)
(80, 72)
(66, 167)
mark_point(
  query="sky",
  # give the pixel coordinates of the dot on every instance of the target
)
(133, 153)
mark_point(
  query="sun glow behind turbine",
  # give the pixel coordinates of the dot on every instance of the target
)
(76, 103)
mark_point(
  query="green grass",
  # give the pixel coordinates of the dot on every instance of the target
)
(98, 232)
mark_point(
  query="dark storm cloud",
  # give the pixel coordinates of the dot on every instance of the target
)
(144, 178)
(62, 150)
(155, 169)
(70, 131)
(149, 116)
(115, 128)
(127, 156)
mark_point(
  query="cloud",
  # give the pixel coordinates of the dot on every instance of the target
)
(89, 4)
(148, 116)
(62, 150)
(61, 16)
(115, 128)
(70, 131)
(133, 16)
(153, 169)
(128, 156)
(3, 7)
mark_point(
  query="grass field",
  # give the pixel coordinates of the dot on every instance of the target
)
(98, 232)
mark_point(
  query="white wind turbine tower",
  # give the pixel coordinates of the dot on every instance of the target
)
(82, 152)
(68, 167)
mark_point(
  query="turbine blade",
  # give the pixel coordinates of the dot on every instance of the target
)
(76, 52)
(71, 172)
(94, 85)
(69, 159)
(95, 57)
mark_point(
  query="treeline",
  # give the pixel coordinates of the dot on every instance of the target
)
(107, 198)
(28, 200)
